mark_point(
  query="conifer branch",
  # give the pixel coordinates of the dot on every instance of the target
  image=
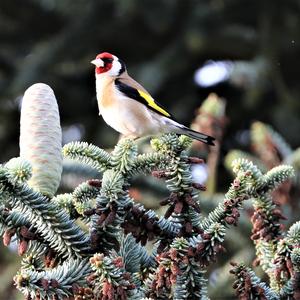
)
(111, 206)
(147, 162)
(19, 169)
(60, 282)
(38, 256)
(249, 286)
(87, 154)
(277, 176)
(124, 156)
(291, 289)
(178, 274)
(183, 207)
(82, 201)
(235, 154)
(110, 280)
(54, 247)
(52, 224)
(293, 234)
(145, 225)
(239, 191)
(135, 256)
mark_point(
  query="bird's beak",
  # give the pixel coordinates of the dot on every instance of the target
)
(98, 62)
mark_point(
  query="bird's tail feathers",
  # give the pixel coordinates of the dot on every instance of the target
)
(209, 140)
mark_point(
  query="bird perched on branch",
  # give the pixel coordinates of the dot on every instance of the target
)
(128, 108)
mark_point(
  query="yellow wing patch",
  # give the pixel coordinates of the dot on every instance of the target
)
(153, 104)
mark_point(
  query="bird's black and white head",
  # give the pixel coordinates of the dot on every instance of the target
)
(108, 64)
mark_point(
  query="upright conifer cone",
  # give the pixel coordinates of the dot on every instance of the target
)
(41, 138)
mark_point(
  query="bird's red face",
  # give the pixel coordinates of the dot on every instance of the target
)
(108, 64)
(103, 62)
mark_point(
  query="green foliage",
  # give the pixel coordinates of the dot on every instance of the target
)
(49, 222)
(249, 286)
(274, 246)
(120, 267)
(87, 154)
(56, 282)
(19, 169)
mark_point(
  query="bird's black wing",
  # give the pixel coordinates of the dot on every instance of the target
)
(142, 97)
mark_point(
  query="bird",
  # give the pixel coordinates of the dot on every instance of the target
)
(127, 107)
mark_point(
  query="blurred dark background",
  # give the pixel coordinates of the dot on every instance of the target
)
(246, 51)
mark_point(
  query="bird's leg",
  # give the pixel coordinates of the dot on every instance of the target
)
(131, 137)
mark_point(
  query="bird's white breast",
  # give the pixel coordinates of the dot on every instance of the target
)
(125, 115)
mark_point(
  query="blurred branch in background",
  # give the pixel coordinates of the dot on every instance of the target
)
(211, 120)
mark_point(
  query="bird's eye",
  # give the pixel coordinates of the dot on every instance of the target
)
(107, 60)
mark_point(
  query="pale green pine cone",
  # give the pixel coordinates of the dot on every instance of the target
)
(41, 138)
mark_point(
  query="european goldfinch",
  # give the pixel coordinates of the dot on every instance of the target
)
(128, 108)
